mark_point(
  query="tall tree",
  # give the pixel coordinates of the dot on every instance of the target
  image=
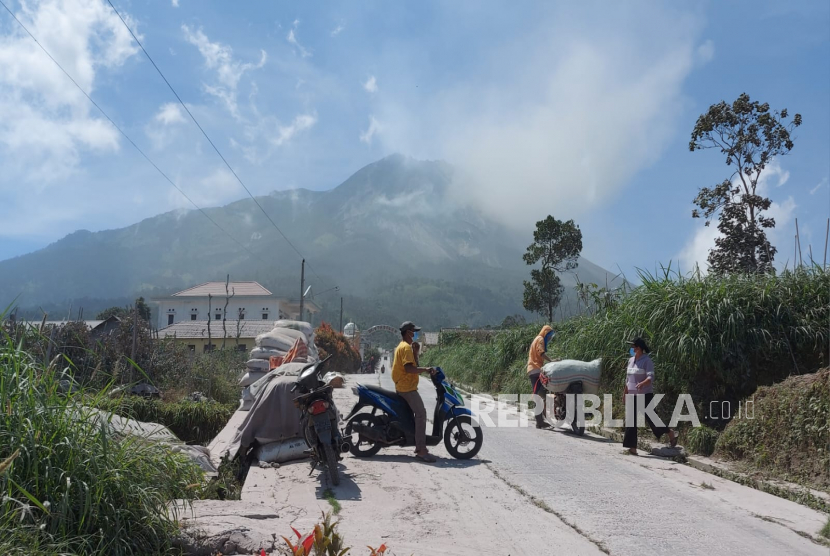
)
(557, 245)
(750, 135)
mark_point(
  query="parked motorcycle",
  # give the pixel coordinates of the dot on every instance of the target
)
(391, 422)
(320, 420)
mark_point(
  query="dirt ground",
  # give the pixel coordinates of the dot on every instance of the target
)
(449, 507)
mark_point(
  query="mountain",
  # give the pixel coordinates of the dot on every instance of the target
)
(390, 236)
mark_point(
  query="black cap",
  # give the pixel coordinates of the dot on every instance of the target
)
(640, 343)
(409, 326)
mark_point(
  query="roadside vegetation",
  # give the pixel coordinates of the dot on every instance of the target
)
(74, 486)
(717, 337)
(788, 433)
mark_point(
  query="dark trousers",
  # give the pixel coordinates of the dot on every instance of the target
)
(539, 390)
(630, 439)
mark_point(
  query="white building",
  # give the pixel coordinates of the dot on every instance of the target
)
(250, 301)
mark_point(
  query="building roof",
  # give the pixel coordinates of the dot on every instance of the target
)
(198, 329)
(91, 324)
(218, 289)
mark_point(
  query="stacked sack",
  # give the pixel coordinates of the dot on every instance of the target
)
(289, 338)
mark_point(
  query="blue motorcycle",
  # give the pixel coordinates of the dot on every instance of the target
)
(391, 422)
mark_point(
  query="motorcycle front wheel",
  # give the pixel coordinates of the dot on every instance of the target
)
(462, 438)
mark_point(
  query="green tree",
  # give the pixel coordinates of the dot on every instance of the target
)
(512, 321)
(557, 245)
(143, 309)
(750, 135)
(119, 312)
(125, 312)
(371, 356)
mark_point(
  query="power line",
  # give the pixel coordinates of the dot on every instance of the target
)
(195, 121)
(127, 137)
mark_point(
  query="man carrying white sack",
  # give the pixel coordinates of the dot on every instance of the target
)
(535, 359)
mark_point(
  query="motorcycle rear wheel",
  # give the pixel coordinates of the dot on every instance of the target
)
(458, 435)
(362, 448)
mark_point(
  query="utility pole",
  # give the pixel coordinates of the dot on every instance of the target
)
(302, 288)
(135, 332)
(341, 315)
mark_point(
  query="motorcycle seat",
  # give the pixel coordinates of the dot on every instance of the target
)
(383, 392)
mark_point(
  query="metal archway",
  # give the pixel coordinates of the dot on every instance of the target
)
(381, 328)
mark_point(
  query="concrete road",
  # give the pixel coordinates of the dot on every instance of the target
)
(640, 504)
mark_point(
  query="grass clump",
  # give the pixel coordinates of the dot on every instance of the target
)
(333, 502)
(701, 440)
(74, 486)
(825, 531)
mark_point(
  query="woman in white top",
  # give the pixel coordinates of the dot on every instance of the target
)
(639, 379)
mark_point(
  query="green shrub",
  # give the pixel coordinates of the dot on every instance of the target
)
(75, 487)
(192, 422)
(178, 372)
(788, 433)
(345, 358)
(701, 440)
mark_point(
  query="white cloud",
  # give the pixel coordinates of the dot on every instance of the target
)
(706, 51)
(337, 30)
(229, 71)
(45, 122)
(371, 84)
(300, 123)
(696, 250)
(820, 185)
(175, 3)
(374, 128)
(214, 189)
(159, 129)
(169, 113)
(292, 39)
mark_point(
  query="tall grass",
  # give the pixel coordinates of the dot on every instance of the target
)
(75, 487)
(192, 422)
(717, 338)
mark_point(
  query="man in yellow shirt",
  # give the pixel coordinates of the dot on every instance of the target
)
(405, 373)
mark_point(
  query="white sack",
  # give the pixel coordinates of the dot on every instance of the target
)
(281, 451)
(333, 379)
(251, 377)
(302, 326)
(562, 373)
(266, 353)
(291, 333)
(275, 339)
(262, 365)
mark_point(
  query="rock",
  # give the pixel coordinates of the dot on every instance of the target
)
(668, 451)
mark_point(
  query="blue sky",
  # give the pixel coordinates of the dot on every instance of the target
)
(581, 110)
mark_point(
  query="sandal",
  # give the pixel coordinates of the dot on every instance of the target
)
(429, 458)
